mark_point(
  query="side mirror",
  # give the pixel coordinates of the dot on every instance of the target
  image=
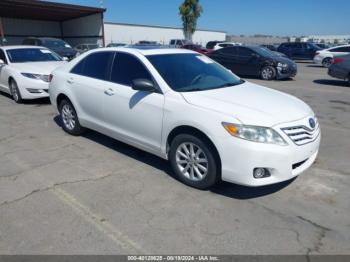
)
(2, 62)
(65, 58)
(143, 85)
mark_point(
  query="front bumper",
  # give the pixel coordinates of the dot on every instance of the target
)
(240, 157)
(32, 88)
(291, 71)
(337, 72)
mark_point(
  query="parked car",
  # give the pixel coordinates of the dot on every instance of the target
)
(184, 107)
(340, 68)
(57, 45)
(197, 48)
(270, 47)
(146, 42)
(210, 45)
(25, 70)
(294, 50)
(325, 57)
(82, 48)
(116, 44)
(225, 44)
(323, 46)
(255, 61)
(178, 43)
(279, 54)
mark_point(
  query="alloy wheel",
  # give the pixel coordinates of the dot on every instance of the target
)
(267, 73)
(192, 161)
(14, 91)
(68, 117)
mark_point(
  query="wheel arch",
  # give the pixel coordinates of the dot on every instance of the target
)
(11, 78)
(190, 130)
(60, 98)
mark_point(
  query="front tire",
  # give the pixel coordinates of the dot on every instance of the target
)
(327, 62)
(193, 161)
(69, 119)
(268, 73)
(15, 93)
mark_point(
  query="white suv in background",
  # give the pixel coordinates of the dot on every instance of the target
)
(184, 107)
(325, 57)
(225, 44)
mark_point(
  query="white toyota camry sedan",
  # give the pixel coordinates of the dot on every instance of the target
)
(25, 70)
(184, 107)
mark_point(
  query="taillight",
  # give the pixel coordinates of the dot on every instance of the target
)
(50, 78)
(337, 60)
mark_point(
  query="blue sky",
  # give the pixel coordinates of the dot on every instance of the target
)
(275, 17)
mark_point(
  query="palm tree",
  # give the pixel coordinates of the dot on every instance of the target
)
(190, 11)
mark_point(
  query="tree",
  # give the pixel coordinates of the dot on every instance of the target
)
(190, 11)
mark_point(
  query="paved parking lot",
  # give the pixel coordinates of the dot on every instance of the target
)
(93, 195)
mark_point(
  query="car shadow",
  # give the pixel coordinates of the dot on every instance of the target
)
(223, 188)
(317, 66)
(274, 80)
(342, 83)
(37, 102)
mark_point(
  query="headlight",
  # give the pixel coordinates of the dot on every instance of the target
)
(255, 134)
(44, 78)
(282, 65)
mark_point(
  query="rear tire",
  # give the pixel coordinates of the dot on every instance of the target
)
(69, 118)
(327, 62)
(268, 73)
(193, 162)
(15, 93)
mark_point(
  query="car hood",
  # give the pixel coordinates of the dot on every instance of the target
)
(251, 104)
(43, 68)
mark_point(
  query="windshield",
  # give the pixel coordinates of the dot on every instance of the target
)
(55, 43)
(31, 55)
(264, 51)
(192, 72)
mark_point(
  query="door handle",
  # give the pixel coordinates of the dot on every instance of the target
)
(109, 92)
(70, 81)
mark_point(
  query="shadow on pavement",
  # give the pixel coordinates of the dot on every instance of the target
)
(37, 102)
(223, 188)
(332, 82)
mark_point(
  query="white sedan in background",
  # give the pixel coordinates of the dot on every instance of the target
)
(25, 71)
(325, 57)
(184, 107)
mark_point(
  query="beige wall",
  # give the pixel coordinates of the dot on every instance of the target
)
(128, 34)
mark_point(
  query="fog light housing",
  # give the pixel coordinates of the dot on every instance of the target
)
(34, 91)
(261, 173)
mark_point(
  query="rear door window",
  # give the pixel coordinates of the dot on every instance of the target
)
(96, 65)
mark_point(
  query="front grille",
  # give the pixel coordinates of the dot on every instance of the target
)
(302, 134)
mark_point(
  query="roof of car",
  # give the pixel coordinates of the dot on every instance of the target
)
(149, 51)
(11, 47)
(338, 46)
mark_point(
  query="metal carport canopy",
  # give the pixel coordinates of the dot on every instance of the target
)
(23, 18)
(43, 10)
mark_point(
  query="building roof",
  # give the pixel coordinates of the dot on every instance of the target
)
(43, 10)
(160, 26)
